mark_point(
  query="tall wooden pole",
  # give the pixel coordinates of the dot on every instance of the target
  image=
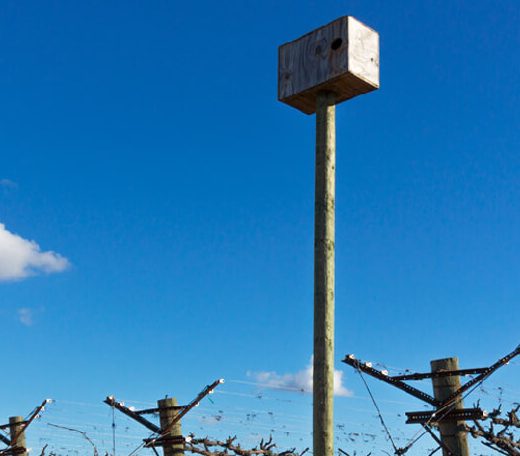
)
(332, 64)
(323, 381)
(15, 431)
(443, 387)
(167, 412)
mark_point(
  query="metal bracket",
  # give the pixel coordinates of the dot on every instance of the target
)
(431, 417)
(380, 375)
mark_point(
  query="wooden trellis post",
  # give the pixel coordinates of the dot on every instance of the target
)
(315, 72)
(453, 436)
(17, 433)
(168, 411)
(16, 442)
(168, 434)
(448, 413)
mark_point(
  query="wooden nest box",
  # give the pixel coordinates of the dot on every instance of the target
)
(340, 57)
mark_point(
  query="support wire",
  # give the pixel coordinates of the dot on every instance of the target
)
(385, 427)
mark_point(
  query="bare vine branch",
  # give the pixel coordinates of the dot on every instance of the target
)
(499, 434)
(209, 447)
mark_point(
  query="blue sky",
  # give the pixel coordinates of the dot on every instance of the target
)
(144, 145)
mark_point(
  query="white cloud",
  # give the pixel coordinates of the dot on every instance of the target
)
(20, 258)
(25, 316)
(298, 381)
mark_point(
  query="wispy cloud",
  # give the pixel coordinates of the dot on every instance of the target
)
(20, 258)
(25, 316)
(298, 381)
(8, 183)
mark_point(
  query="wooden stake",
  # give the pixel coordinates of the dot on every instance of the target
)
(443, 387)
(16, 424)
(167, 413)
(323, 378)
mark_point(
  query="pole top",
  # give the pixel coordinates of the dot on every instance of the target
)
(444, 363)
(16, 419)
(167, 402)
